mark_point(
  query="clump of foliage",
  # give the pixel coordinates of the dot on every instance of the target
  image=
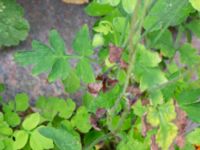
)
(143, 98)
(13, 26)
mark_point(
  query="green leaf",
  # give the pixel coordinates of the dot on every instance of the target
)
(114, 2)
(12, 118)
(13, 26)
(57, 42)
(81, 120)
(5, 129)
(121, 76)
(107, 100)
(22, 102)
(151, 78)
(130, 143)
(195, 4)
(63, 139)
(45, 58)
(31, 121)
(2, 87)
(66, 125)
(85, 71)
(194, 27)
(164, 43)
(21, 138)
(129, 5)
(72, 82)
(189, 55)
(89, 102)
(2, 146)
(194, 137)
(68, 108)
(96, 9)
(138, 108)
(146, 57)
(97, 40)
(92, 136)
(40, 142)
(49, 107)
(145, 69)
(188, 100)
(161, 114)
(104, 27)
(8, 143)
(167, 13)
(166, 135)
(82, 43)
(60, 70)
(156, 97)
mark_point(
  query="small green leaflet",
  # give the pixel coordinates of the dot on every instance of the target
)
(195, 4)
(111, 2)
(82, 43)
(85, 71)
(21, 138)
(21, 102)
(2, 87)
(194, 27)
(82, 120)
(12, 118)
(13, 26)
(56, 41)
(96, 9)
(50, 107)
(72, 82)
(161, 114)
(194, 137)
(38, 141)
(146, 69)
(129, 5)
(63, 139)
(167, 13)
(60, 69)
(189, 55)
(5, 130)
(164, 43)
(31, 121)
(189, 101)
(166, 135)
(68, 108)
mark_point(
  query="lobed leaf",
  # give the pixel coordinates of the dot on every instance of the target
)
(45, 58)
(31, 121)
(85, 71)
(81, 120)
(14, 27)
(82, 43)
(63, 139)
(189, 101)
(167, 13)
(195, 4)
(40, 142)
(21, 138)
(21, 102)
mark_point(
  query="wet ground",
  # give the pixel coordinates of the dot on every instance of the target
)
(42, 15)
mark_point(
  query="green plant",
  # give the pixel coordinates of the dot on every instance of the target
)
(137, 101)
(13, 27)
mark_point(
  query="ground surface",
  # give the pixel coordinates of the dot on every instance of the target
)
(42, 15)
